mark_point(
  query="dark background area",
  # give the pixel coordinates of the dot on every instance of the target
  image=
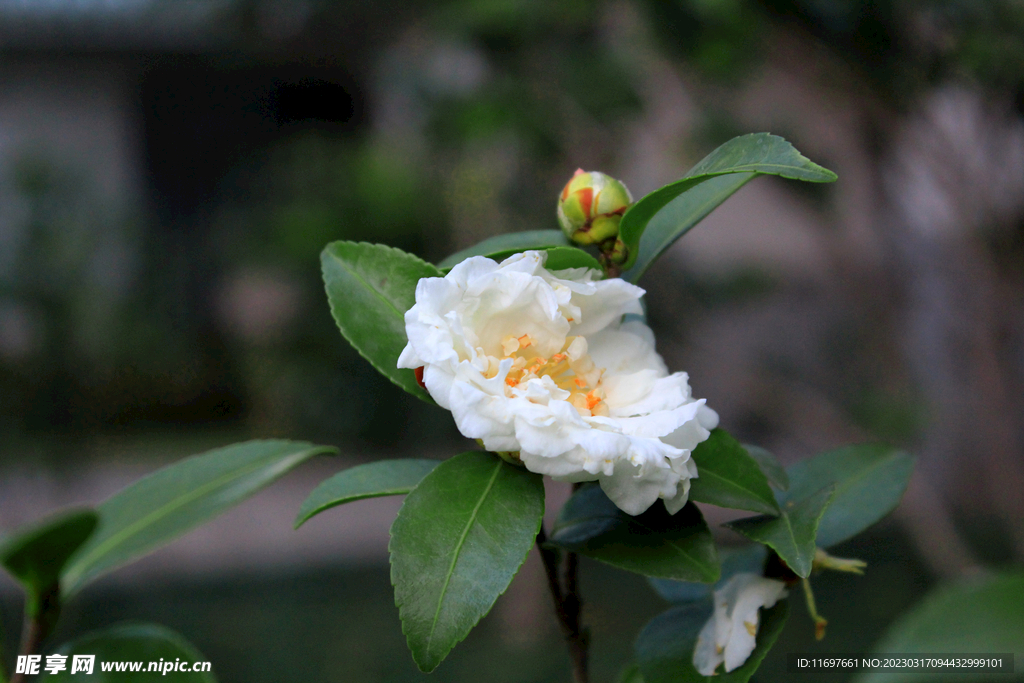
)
(169, 173)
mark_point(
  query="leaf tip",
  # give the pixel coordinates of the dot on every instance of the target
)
(326, 450)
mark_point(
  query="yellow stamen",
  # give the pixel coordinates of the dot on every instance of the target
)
(571, 369)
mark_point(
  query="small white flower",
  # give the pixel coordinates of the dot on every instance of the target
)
(541, 363)
(729, 634)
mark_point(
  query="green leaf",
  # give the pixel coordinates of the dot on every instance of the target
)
(729, 477)
(370, 287)
(134, 644)
(746, 558)
(164, 505)
(37, 554)
(501, 247)
(980, 614)
(678, 217)
(458, 540)
(791, 535)
(654, 543)
(742, 158)
(664, 649)
(372, 480)
(560, 258)
(771, 467)
(869, 479)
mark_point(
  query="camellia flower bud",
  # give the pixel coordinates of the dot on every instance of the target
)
(590, 208)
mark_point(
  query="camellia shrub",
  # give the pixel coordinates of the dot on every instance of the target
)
(537, 344)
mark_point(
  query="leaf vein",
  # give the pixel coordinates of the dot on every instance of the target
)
(458, 549)
(132, 529)
(370, 287)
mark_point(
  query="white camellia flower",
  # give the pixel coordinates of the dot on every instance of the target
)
(540, 363)
(729, 635)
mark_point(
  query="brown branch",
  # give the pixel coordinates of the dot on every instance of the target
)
(567, 605)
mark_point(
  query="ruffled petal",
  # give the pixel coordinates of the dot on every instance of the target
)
(735, 621)
(613, 414)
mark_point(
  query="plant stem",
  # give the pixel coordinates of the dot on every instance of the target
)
(820, 622)
(44, 610)
(31, 641)
(567, 605)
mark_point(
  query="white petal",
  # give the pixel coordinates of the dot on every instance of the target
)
(624, 350)
(691, 432)
(610, 301)
(708, 418)
(438, 379)
(687, 470)
(706, 656)
(735, 621)
(408, 358)
(638, 447)
(646, 476)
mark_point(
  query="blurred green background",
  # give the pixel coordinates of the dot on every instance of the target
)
(169, 172)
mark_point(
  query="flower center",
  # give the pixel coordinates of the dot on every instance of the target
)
(571, 369)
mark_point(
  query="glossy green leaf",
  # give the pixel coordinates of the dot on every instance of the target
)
(743, 158)
(164, 505)
(654, 543)
(132, 644)
(36, 555)
(458, 540)
(729, 477)
(501, 247)
(979, 615)
(791, 535)
(679, 216)
(746, 558)
(372, 480)
(664, 649)
(560, 258)
(370, 287)
(770, 466)
(869, 480)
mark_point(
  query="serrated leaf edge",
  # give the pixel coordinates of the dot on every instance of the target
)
(540, 521)
(789, 526)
